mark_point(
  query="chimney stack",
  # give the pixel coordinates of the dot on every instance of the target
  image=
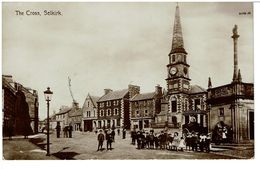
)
(158, 90)
(107, 91)
(209, 83)
(133, 90)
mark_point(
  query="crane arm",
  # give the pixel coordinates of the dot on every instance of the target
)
(70, 89)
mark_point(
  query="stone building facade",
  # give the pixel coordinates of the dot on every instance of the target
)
(20, 107)
(90, 113)
(232, 105)
(144, 107)
(63, 116)
(113, 108)
(75, 117)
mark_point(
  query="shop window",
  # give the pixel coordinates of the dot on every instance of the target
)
(146, 123)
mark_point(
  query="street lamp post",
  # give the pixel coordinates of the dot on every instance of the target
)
(47, 94)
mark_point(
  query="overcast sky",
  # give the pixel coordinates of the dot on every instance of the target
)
(109, 45)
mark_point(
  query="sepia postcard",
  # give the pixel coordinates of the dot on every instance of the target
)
(121, 80)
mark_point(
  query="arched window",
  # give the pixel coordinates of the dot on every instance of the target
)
(173, 104)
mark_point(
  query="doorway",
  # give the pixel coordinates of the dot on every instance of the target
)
(251, 125)
(88, 125)
(140, 125)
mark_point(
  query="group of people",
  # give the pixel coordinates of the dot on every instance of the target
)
(67, 131)
(222, 133)
(164, 140)
(109, 136)
(194, 140)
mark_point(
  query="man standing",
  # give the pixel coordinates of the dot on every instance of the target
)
(113, 135)
(118, 131)
(109, 140)
(70, 131)
(100, 139)
(58, 128)
(124, 133)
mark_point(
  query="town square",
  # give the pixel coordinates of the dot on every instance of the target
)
(113, 88)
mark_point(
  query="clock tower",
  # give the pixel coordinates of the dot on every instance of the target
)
(178, 80)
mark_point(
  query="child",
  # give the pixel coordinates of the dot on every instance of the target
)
(182, 144)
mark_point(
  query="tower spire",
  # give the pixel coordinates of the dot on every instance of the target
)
(177, 40)
(235, 37)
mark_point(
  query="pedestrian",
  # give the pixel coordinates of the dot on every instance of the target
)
(156, 141)
(162, 140)
(113, 135)
(194, 141)
(208, 142)
(202, 141)
(151, 140)
(65, 132)
(139, 140)
(182, 144)
(224, 134)
(175, 142)
(109, 140)
(188, 141)
(124, 133)
(143, 140)
(58, 128)
(118, 131)
(133, 136)
(170, 142)
(147, 140)
(70, 131)
(100, 139)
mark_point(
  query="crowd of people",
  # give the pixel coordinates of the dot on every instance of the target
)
(164, 140)
(67, 131)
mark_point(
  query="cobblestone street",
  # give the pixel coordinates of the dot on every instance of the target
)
(84, 146)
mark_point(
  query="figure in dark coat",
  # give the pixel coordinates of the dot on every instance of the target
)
(109, 140)
(124, 133)
(100, 139)
(58, 128)
(70, 131)
(113, 135)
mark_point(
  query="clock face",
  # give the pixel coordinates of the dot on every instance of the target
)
(173, 71)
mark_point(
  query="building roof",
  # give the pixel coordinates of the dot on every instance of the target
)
(6, 82)
(75, 112)
(144, 96)
(64, 110)
(114, 95)
(93, 99)
(197, 89)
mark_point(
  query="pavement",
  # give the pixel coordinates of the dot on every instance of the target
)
(83, 146)
(22, 149)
